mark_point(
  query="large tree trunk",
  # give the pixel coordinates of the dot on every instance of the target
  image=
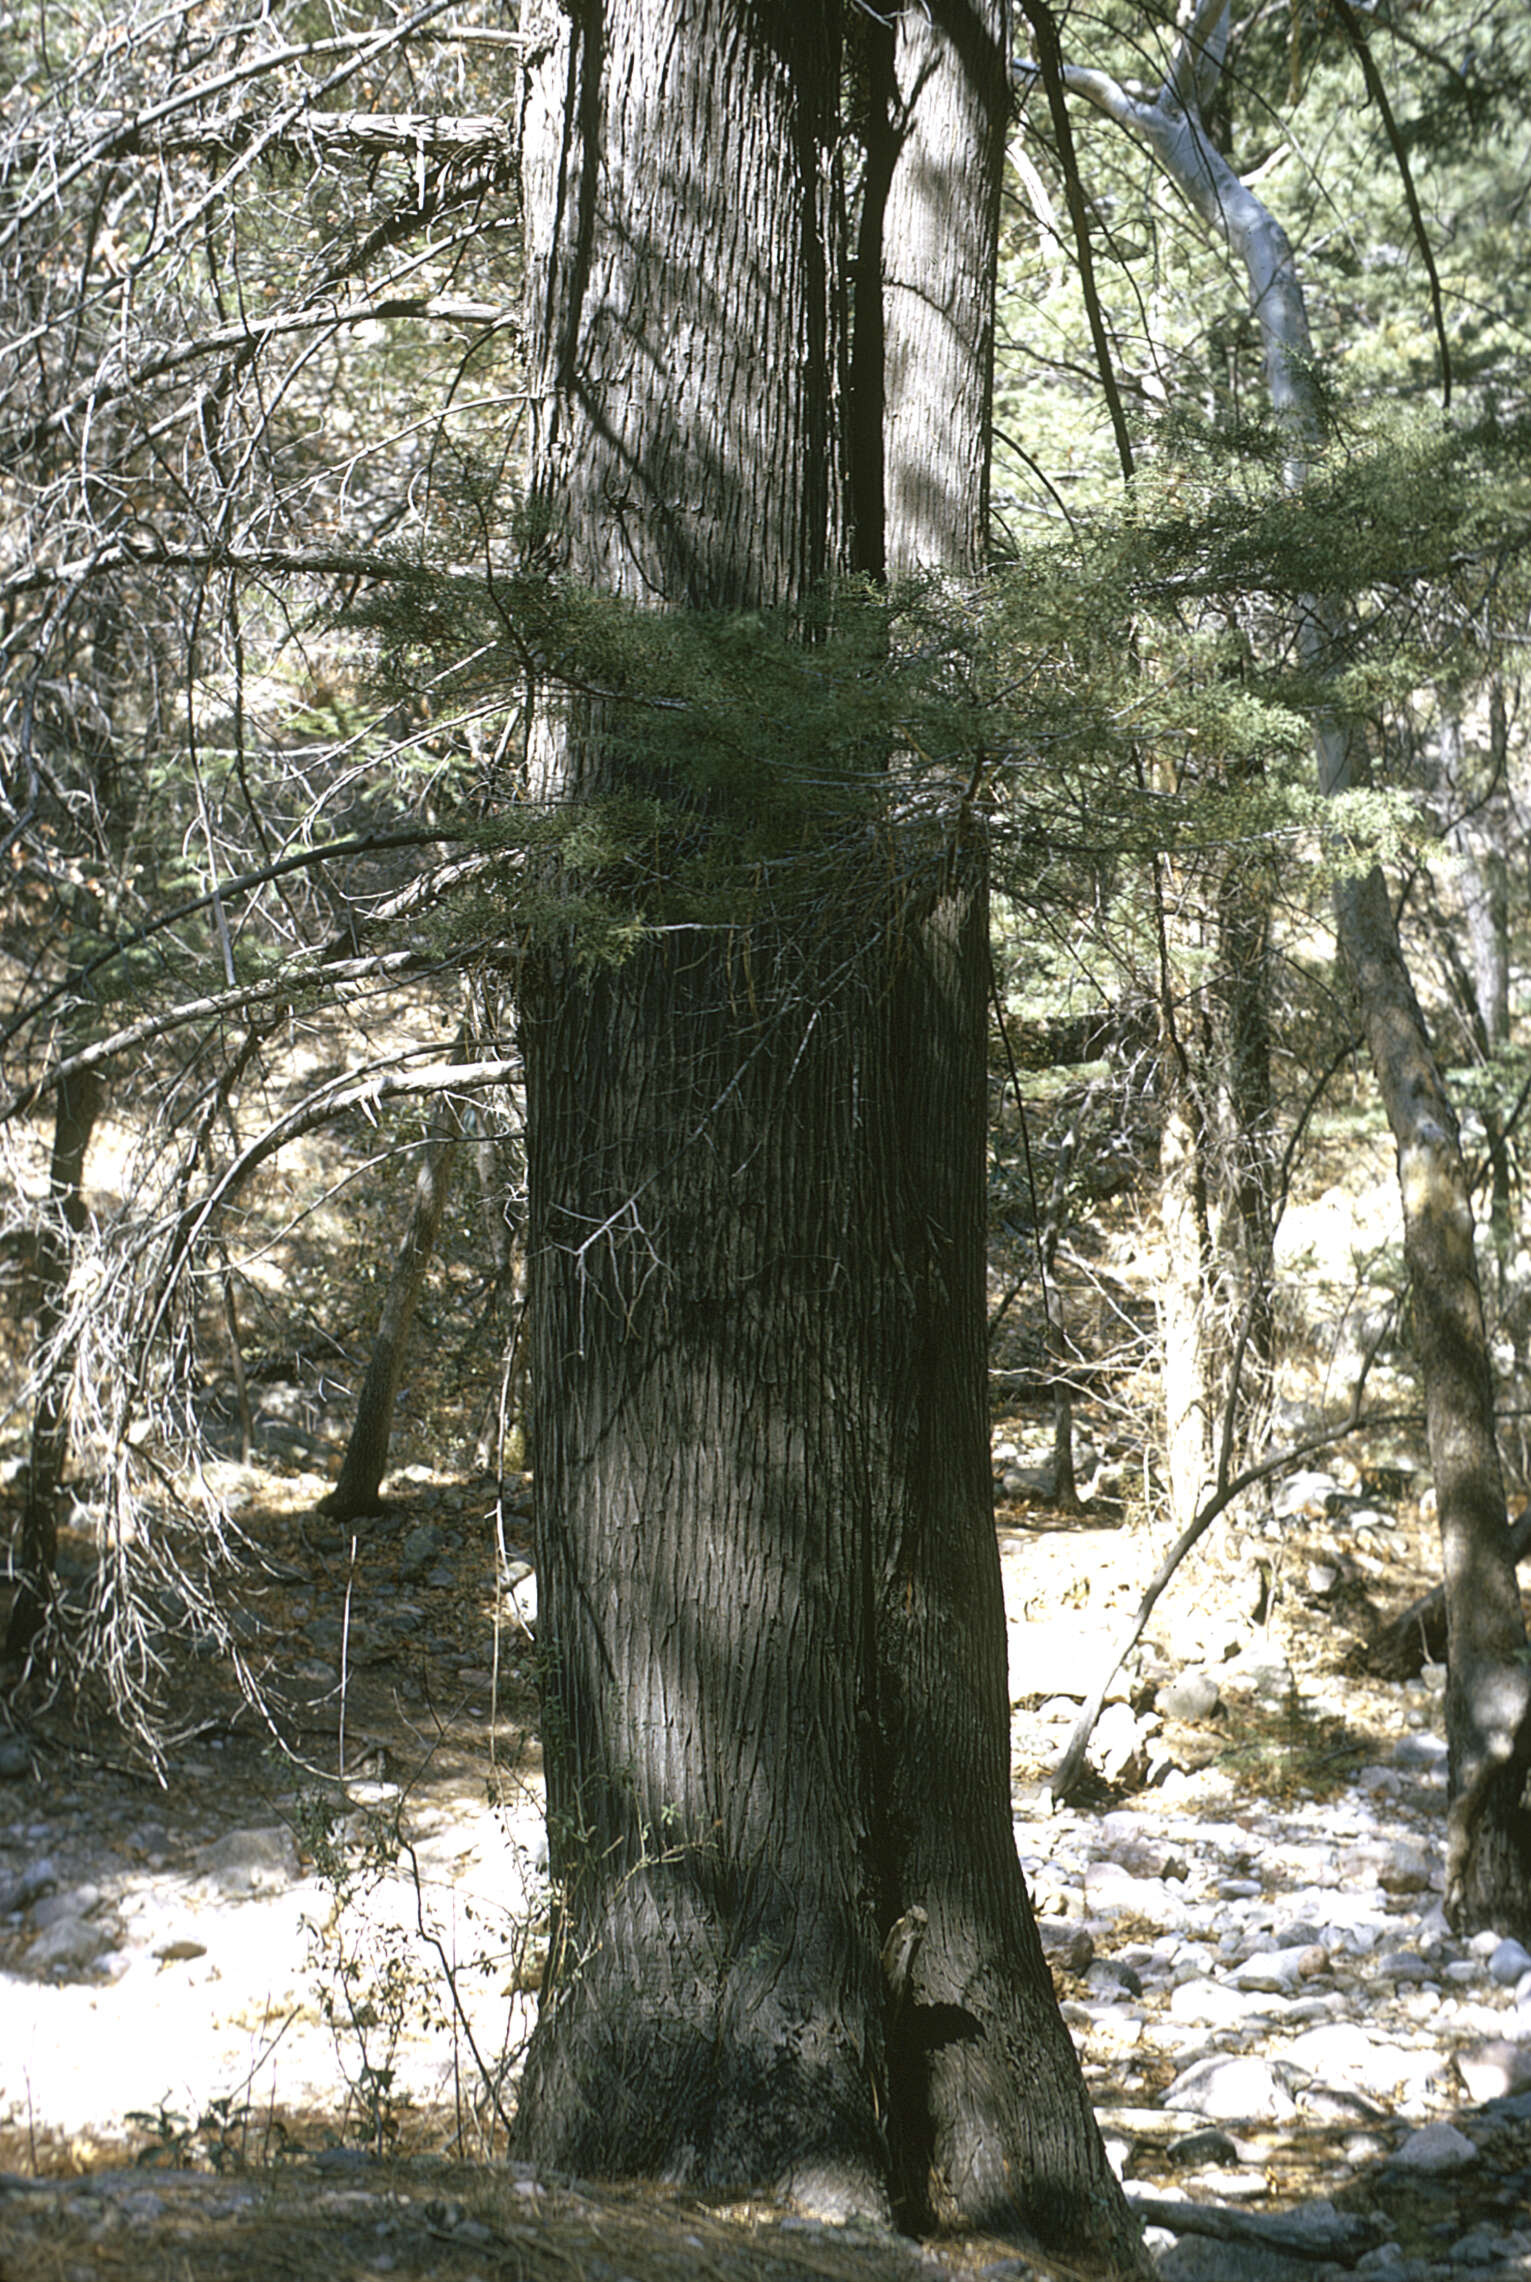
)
(776, 1717)
(707, 1417)
(1488, 1702)
(701, 1423)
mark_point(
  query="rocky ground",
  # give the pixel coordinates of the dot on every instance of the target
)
(254, 2022)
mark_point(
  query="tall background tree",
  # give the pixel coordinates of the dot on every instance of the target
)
(1489, 1698)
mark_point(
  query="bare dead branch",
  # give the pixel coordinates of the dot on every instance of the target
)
(303, 859)
(439, 138)
(248, 335)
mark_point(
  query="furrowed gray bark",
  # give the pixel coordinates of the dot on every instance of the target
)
(776, 1717)
(705, 1383)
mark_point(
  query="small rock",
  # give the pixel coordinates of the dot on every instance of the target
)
(70, 1945)
(1110, 2028)
(520, 1585)
(1232, 2088)
(1420, 1750)
(1508, 1962)
(1306, 1491)
(1386, 2263)
(1340, 2051)
(1075, 1951)
(39, 1877)
(1110, 1891)
(1206, 2146)
(420, 1549)
(1492, 2071)
(1403, 1965)
(54, 1908)
(1437, 2148)
(1028, 1481)
(1482, 2246)
(1194, 2259)
(1261, 1671)
(250, 1861)
(1405, 1869)
(15, 1758)
(1277, 1970)
(1205, 2003)
(1194, 1695)
(1118, 1734)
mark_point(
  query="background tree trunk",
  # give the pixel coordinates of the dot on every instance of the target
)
(1479, 835)
(77, 1103)
(1488, 1690)
(1189, 1394)
(360, 1480)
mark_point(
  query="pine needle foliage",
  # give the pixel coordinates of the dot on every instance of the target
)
(1129, 690)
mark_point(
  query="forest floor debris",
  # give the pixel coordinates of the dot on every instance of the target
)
(260, 2022)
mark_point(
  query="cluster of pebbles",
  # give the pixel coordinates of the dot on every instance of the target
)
(1286, 2044)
